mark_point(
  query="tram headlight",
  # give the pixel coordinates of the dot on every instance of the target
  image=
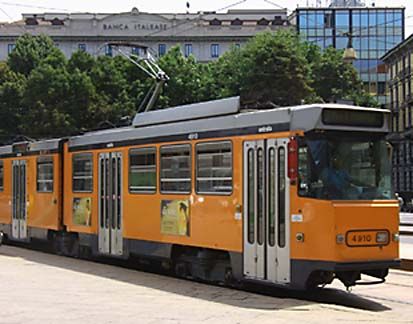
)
(382, 237)
(299, 237)
(396, 237)
(340, 238)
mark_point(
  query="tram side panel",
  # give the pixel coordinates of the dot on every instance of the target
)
(154, 214)
(80, 201)
(44, 193)
(187, 214)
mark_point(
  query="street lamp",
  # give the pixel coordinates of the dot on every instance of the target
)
(349, 55)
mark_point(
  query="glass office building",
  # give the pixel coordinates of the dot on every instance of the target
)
(374, 31)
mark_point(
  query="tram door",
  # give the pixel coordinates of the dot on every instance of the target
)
(19, 199)
(266, 211)
(110, 203)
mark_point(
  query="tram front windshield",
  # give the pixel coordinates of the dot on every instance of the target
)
(342, 168)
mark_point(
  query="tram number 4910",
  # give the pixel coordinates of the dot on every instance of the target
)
(360, 238)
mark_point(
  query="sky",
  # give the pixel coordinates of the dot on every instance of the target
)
(12, 9)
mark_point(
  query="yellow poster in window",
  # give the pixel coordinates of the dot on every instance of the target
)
(175, 217)
(82, 211)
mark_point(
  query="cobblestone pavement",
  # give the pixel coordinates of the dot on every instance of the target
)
(44, 288)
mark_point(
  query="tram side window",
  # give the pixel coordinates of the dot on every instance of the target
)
(1, 176)
(142, 170)
(82, 172)
(176, 169)
(45, 174)
(214, 168)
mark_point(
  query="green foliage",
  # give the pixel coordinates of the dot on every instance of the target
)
(42, 94)
(186, 79)
(30, 51)
(12, 87)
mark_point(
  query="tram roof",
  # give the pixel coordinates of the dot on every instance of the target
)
(28, 147)
(219, 118)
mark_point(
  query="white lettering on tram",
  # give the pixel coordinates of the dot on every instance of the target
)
(193, 136)
(265, 129)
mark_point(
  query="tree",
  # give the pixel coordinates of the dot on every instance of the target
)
(30, 51)
(186, 79)
(271, 67)
(12, 87)
(333, 79)
(82, 61)
(44, 102)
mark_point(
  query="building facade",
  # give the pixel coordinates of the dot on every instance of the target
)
(373, 32)
(399, 61)
(206, 35)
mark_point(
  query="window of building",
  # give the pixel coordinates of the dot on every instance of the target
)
(236, 22)
(31, 21)
(411, 86)
(303, 21)
(215, 50)
(45, 174)
(214, 168)
(381, 88)
(1, 176)
(188, 50)
(57, 22)
(381, 18)
(263, 22)
(82, 172)
(278, 21)
(161, 49)
(237, 46)
(82, 47)
(356, 18)
(328, 20)
(341, 42)
(176, 169)
(135, 50)
(364, 20)
(342, 20)
(108, 50)
(142, 170)
(215, 22)
(10, 48)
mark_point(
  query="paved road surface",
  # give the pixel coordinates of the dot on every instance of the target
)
(406, 241)
(43, 288)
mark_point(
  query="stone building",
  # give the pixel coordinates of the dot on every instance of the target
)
(399, 61)
(206, 35)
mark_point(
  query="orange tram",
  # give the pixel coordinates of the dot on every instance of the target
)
(294, 197)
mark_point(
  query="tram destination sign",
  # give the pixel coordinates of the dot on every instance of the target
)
(357, 118)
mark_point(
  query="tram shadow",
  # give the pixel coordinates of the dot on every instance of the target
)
(251, 297)
(331, 296)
